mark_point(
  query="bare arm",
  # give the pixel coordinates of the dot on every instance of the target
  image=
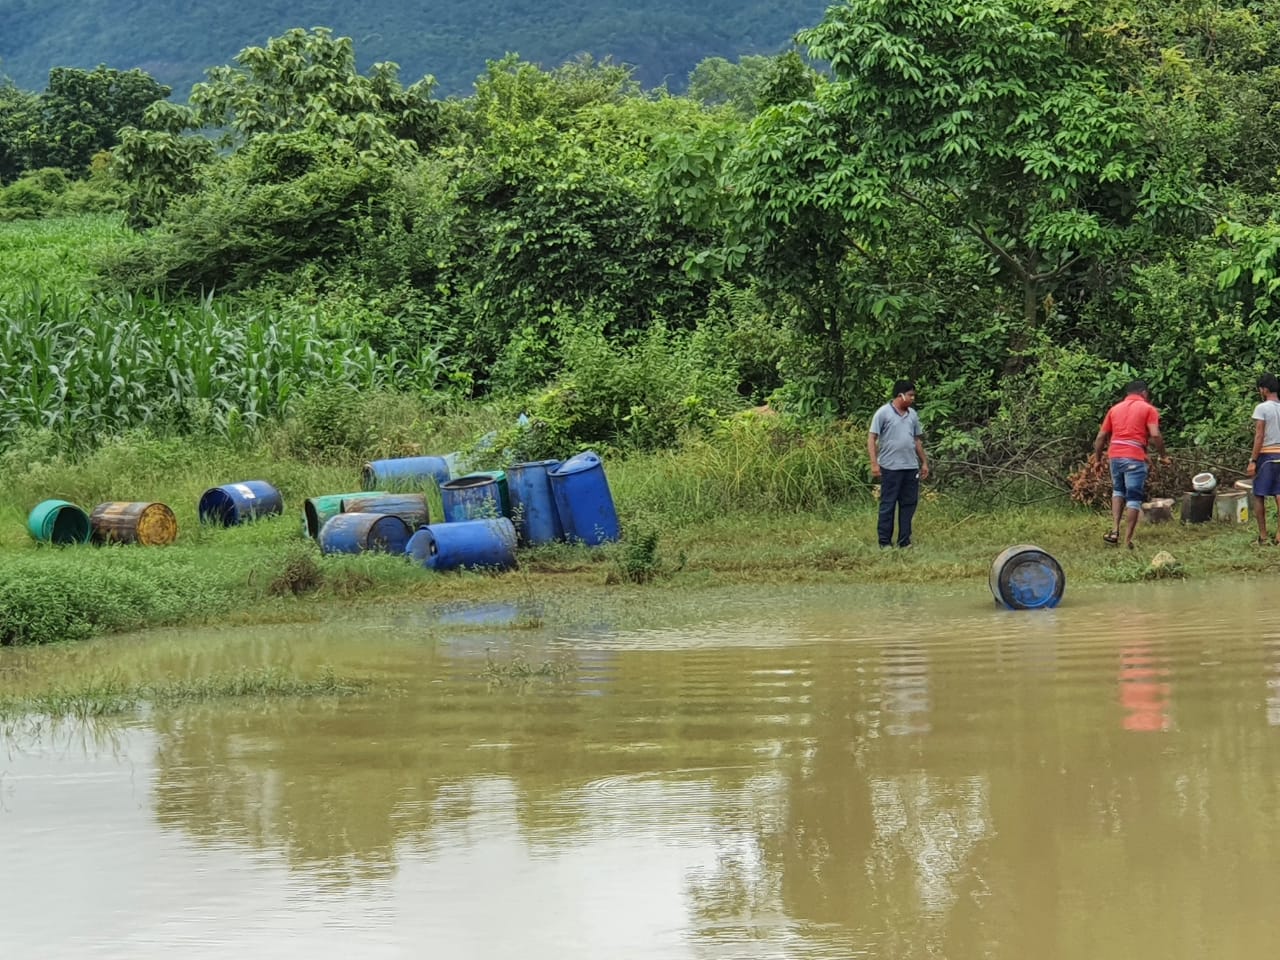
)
(873, 452)
(1157, 441)
(1259, 429)
(924, 461)
(1100, 443)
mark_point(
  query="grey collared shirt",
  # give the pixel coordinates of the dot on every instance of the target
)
(897, 434)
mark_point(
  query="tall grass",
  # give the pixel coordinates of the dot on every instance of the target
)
(750, 464)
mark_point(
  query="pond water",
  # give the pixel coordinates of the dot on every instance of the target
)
(783, 773)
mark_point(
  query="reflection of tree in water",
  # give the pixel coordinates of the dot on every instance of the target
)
(986, 807)
(860, 846)
(339, 787)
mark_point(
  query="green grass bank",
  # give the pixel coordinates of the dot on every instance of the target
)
(747, 506)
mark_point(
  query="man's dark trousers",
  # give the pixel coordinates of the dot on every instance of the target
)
(898, 489)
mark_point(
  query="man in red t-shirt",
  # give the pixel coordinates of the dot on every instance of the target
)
(1129, 426)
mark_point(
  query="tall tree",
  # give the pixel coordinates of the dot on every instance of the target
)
(19, 119)
(82, 112)
(990, 116)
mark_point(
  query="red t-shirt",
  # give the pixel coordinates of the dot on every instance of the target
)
(1127, 423)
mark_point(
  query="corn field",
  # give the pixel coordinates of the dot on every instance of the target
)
(89, 367)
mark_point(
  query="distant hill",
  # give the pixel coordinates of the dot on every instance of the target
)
(450, 39)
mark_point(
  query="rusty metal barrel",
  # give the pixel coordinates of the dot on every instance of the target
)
(142, 522)
(409, 507)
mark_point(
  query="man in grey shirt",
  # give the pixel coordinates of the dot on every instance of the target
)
(896, 449)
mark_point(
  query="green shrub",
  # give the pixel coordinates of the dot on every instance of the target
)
(641, 394)
(74, 593)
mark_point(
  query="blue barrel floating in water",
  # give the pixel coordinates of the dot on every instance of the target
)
(1024, 577)
(477, 496)
(364, 533)
(409, 507)
(60, 522)
(465, 543)
(316, 510)
(404, 472)
(583, 499)
(533, 505)
(234, 503)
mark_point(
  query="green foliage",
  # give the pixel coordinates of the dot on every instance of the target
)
(637, 558)
(305, 81)
(82, 112)
(638, 395)
(752, 464)
(87, 369)
(282, 200)
(45, 599)
(717, 82)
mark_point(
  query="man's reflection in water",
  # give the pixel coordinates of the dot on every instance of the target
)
(1272, 647)
(904, 690)
(1145, 697)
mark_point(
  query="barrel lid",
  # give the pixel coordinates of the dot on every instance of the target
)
(578, 463)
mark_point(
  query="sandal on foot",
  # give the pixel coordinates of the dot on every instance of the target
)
(1260, 542)
(1111, 538)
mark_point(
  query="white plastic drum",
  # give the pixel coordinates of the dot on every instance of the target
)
(1024, 577)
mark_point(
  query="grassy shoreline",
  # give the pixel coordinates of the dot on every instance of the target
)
(233, 576)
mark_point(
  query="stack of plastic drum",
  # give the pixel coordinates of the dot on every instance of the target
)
(486, 544)
(533, 505)
(235, 503)
(404, 472)
(583, 500)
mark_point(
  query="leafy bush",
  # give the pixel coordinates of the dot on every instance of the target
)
(640, 394)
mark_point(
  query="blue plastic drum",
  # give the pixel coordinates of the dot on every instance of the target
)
(470, 544)
(235, 503)
(1024, 577)
(404, 473)
(583, 499)
(533, 505)
(364, 533)
(477, 496)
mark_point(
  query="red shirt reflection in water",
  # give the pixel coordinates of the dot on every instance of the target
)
(1143, 695)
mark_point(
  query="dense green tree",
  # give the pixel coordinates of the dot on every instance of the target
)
(82, 112)
(19, 119)
(992, 118)
(717, 82)
(307, 81)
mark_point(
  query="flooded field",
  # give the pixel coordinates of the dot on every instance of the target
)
(808, 773)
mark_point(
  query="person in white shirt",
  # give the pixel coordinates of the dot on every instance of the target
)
(1264, 460)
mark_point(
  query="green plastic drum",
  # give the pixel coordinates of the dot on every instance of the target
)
(59, 522)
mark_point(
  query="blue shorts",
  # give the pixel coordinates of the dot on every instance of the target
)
(1128, 480)
(1266, 475)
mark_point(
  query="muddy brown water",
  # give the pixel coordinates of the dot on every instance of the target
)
(782, 773)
